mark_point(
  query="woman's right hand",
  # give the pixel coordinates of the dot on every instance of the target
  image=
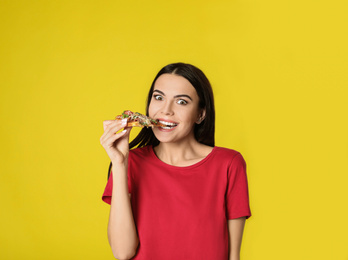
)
(116, 144)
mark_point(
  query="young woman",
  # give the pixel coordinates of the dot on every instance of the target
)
(177, 195)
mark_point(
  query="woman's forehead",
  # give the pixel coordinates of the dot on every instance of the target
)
(172, 83)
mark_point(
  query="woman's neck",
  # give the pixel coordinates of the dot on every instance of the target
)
(182, 154)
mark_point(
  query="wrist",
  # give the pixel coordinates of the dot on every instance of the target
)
(119, 162)
(118, 166)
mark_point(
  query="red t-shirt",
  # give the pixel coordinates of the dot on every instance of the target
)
(182, 212)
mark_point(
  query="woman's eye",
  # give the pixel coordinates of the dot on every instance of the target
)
(158, 97)
(182, 102)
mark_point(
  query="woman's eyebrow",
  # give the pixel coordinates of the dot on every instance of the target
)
(156, 90)
(176, 96)
(183, 95)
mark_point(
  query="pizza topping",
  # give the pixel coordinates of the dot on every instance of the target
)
(140, 118)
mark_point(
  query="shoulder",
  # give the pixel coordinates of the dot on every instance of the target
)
(226, 152)
(230, 155)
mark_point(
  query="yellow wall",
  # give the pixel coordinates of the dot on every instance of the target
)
(278, 69)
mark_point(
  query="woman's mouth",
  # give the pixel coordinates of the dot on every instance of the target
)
(168, 125)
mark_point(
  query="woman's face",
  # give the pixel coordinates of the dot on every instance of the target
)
(174, 102)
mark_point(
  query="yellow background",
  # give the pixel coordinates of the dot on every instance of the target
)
(279, 73)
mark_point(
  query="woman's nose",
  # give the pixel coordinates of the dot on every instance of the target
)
(167, 109)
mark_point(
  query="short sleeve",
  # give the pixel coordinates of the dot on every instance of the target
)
(108, 189)
(237, 195)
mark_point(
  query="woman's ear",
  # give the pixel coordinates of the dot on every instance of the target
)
(201, 116)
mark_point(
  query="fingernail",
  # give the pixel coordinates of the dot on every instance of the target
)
(124, 121)
(123, 131)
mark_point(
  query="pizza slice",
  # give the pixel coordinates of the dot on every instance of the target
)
(139, 120)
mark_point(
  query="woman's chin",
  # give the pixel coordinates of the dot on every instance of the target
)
(164, 139)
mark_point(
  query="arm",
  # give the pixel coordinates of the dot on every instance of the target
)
(235, 230)
(122, 232)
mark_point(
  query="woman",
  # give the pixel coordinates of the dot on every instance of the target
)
(176, 196)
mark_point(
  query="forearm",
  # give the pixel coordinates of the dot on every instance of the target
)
(235, 257)
(236, 228)
(122, 232)
(234, 251)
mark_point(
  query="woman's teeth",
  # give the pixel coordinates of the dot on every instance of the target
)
(169, 125)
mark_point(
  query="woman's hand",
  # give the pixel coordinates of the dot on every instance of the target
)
(116, 144)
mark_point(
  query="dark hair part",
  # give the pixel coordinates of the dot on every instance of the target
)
(203, 132)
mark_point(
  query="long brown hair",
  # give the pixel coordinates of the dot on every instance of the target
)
(203, 132)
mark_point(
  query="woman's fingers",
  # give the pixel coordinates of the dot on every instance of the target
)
(111, 123)
(107, 122)
(111, 131)
(114, 141)
(114, 126)
(110, 139)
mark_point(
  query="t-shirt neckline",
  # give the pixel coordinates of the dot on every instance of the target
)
(154, 156)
